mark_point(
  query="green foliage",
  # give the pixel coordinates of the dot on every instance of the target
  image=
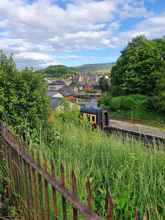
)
(67, 112)
(125, 103)
(104, 100)
(23, 100)
(129, 103)
(141, 70)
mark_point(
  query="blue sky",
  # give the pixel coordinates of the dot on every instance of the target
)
(74, 32)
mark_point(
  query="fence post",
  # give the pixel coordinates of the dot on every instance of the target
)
(40, 186)
(27, 190)
(74, 190)
(24, 188)
(109, 206)
(89, 194)
(47, 209)
(136, 214)
(144, 217)
(54, 196)
(63, 186)
(35, 190)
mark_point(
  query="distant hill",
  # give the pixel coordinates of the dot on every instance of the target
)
(64, 71)
(95, 68)
(57, 71)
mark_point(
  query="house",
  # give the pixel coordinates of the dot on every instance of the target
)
(68, 93)
(56, 85)
(55, 99)
(55, 102)
(88, 88)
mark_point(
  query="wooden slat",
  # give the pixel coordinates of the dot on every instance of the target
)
(31, 192)
(63, 187)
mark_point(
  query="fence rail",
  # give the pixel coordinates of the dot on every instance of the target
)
(33, 183)
(38, 188)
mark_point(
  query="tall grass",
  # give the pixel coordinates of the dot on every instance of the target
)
(134, 174)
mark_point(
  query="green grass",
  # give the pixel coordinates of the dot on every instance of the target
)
(134, 174)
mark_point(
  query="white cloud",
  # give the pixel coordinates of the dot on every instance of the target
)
(151, 27)
(39, 31)
(33, 55)
(35, 58)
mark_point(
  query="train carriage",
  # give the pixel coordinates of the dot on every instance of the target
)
(98, 117)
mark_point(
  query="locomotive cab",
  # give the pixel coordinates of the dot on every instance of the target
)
(98, 117)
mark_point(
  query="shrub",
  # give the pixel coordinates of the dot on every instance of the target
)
(129, 103)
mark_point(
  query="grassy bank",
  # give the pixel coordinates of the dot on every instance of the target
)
(134, 175)
(135, 108)
(146, 118)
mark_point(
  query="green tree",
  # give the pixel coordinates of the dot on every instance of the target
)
(137, 68)
(104, 83)
(159, 96)
(141, 70)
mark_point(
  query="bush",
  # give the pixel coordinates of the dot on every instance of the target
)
(129, 103)
(23, 101)
(67, 112)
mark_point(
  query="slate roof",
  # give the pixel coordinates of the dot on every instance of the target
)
(52, 93)
(57, 82)
(67, 91)
(90, 109)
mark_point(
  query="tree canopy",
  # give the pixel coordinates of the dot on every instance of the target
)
(104, 83)
(141, 70)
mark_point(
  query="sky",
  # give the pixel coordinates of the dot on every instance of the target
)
(73, 32)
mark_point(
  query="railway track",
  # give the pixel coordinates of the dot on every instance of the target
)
(150, 135)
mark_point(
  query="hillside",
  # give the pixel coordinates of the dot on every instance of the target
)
(97, 68)
(57, 71)
(61, 70)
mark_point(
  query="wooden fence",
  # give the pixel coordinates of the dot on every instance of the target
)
(38, 188)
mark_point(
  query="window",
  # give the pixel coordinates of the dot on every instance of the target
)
(93, 118)
(106, 118)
